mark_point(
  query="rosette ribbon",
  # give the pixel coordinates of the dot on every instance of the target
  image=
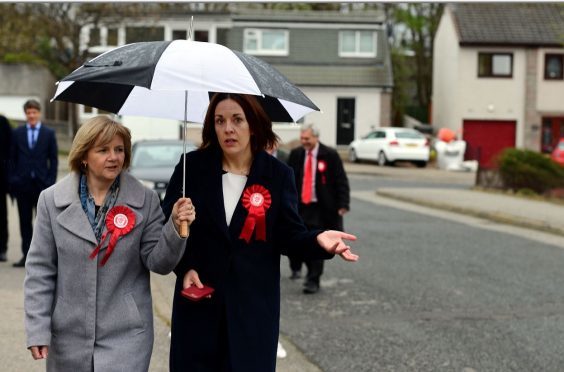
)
(256, 200)
(322, 166)
(120, 220)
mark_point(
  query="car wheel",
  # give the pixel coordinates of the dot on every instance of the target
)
(421, 164)
(352, 156)
(382, 159)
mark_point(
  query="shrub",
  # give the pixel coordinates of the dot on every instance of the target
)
(526, 169)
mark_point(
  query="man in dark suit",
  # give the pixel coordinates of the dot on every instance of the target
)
(5, 140)
(324, 193)
(33, 157)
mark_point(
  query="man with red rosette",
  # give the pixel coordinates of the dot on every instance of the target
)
(323, 188)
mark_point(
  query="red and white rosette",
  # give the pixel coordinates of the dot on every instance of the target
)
(256, 200)
(322, 167)
(120, 220)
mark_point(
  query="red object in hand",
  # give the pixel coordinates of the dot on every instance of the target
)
(196, 294)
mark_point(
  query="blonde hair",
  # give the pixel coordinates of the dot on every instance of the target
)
(99, 130)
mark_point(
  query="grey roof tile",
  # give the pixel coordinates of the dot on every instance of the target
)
(534, 24)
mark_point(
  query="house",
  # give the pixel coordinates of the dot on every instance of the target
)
(21, 82)
(340, 60)
(498, 76)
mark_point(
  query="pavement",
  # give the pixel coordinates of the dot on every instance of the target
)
(535, 215)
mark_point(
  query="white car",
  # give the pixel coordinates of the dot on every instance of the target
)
(388, 144)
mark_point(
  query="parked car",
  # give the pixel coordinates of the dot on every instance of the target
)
(558, 153)
(386, 145)
(153, 161)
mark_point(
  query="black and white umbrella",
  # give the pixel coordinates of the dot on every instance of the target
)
(174, 80)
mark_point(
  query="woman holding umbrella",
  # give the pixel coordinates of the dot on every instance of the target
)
(247, 218)
(98, 233)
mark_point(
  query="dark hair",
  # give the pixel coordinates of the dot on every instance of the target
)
(32, 104)
(260, 125)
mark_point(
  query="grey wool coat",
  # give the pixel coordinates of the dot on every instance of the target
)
(95, 318)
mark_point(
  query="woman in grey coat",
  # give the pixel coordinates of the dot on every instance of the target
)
(97, 234)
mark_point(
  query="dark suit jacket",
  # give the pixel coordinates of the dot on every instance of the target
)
(246, 276)
(5, 141)
(42, 159)
(331, 184)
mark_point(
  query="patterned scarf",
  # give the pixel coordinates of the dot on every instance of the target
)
(97, 220)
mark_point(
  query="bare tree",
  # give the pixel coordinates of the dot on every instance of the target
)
(414, 26)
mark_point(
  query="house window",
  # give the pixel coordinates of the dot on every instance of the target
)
(357, 44)
(138, 34)
(266, 42)
(112, 38)
(179, 35)
(200, 35)
(495, 65)
(94, 36)
(553, 66)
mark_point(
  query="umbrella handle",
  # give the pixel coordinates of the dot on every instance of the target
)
(183, 229)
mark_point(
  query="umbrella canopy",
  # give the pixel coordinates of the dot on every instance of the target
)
(160, 78)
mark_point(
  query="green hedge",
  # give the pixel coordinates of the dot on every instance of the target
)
(526, 169)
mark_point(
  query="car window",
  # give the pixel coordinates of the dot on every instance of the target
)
(409, 135)
(371, 135)
(380, 134)
(561, 146)
(157, 155)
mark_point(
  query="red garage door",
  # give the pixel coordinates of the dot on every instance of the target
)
(487, 138)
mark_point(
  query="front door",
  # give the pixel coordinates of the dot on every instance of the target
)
(552, 131)
(345, 120)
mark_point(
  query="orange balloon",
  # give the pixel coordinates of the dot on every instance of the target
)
(446, 134)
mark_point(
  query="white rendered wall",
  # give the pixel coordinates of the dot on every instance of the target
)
(367, 110)
(550, 93)
(445, 75)
(492, 98)
(12, 106)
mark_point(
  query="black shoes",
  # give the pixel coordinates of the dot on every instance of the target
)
(311, 288)
(3, 257)
(295, 275)
(20, 263)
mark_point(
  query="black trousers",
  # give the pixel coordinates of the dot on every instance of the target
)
(27, 203)
(311, 214)
(3, 222)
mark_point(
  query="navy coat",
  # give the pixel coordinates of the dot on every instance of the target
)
(242, 317)
(42, 159)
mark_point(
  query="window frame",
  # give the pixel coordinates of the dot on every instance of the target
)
(357, 53)
(262, 51)
(561, 57)
(135, 34)
(490, 74)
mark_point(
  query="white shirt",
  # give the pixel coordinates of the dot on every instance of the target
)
(233, 185)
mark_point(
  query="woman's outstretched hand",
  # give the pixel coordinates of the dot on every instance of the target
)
(332, 242)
